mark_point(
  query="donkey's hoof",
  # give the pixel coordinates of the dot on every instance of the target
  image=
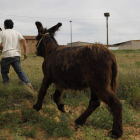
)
(78, 123)
(61, 108)
(36, 107)
(115, 133)
(77, 126)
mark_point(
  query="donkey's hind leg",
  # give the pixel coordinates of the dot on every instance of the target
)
(42, 93)
(57, 100)
(93, 104)
(113, 102)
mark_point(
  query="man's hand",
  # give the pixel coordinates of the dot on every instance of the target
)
(1, 46)
(25, 56)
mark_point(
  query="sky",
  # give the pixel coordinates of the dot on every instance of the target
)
(87, 16)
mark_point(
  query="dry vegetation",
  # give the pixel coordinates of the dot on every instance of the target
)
(18, 121)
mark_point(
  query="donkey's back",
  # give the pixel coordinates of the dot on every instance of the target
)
(81, 67)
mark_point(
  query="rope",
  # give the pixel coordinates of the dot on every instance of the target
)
(37, 44)
(41, 40)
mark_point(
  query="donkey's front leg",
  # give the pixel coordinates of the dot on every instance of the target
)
(41, 94)
(57, 100)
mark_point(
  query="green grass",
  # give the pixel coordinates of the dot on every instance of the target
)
(49, 111)
(56, 129)
(70, 97)
(30, 133)
(22, 122)
(125, 51)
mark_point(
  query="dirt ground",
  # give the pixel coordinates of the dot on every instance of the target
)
(130, 132)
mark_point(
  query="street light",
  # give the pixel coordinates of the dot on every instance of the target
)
(71, 31)
(107, 15)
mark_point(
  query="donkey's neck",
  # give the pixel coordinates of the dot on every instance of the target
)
(50, 47)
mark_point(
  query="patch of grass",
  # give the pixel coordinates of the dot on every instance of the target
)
(90, 133)
(13, 95)
(3, 104)
(129, 132)
(30, 116)
(17, 136)
(64, 118)
(125, 51)
(49, 111)
(10, 120)
(30, 133)
(125, 66)
(129, 115)
(75, 98)
(138, 126)
(126, 55)
(2, 137)
(137, 64)
(129, 88)
(100, 118)
(57, 129)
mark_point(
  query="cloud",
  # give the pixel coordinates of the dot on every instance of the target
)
(88, 21)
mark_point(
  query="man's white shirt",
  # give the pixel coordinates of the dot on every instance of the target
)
(10, 40)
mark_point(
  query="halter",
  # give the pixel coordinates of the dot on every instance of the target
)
(38, 44)
(41, 40)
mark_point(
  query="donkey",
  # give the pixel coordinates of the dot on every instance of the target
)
(92, 66)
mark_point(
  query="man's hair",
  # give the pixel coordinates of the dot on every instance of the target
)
(8, 23)
(0, 29)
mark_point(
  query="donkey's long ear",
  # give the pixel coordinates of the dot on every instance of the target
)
(54, 28)
(39, 26)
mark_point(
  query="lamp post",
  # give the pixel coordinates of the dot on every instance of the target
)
(71, 31)
(107, 15)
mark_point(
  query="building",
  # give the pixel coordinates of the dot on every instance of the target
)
(132, 44)
(111, 47)
(129, 45)
(79, 44)
(31, 44)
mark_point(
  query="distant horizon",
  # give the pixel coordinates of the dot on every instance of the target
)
(83, 41)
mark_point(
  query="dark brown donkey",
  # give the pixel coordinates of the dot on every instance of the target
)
(92, 66)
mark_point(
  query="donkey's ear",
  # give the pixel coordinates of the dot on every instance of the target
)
(39, 26)
(55, 28)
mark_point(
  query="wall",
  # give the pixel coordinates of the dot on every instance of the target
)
(125, 45)
(135, 44)
(113, 48)
(31, 44)
(78, 44)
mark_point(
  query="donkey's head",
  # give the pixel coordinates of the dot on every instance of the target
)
(44, 33)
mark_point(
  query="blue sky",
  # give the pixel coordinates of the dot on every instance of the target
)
(87, 16)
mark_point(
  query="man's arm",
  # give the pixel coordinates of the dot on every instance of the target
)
(1, 46)
(24, 48)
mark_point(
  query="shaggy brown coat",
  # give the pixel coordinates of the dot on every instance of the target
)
(91, 66)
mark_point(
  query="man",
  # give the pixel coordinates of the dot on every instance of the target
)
(11, 52)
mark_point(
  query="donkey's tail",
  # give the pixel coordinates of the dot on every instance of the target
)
(114, 83)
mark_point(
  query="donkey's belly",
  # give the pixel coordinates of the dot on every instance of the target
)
(71, 85)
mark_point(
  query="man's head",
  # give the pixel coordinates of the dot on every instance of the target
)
(8, 23)
(0, 29)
